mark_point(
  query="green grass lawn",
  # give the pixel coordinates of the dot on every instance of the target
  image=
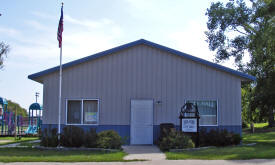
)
(260, 125)
(36, 155)
(10, 140)
(264, 149)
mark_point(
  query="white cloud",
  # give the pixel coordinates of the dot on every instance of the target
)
(9, 31)
(192, 40)
(37, 52)
(88, 23)
(80, 44)
(158, 10)
(86, 38)
(43, 15)
(36, 25)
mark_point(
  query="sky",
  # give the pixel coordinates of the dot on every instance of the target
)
(91, 26)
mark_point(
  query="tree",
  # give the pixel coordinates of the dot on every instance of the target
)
(246, 117)
(236, 29)
(12, 106)
(249, 116)
(4, 49)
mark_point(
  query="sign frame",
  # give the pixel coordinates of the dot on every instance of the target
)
(189, 111)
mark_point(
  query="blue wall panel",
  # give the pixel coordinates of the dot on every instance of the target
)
(156, 133)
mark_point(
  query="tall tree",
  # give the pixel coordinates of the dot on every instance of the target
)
(12, 106)
(4, 49)
(236, 29)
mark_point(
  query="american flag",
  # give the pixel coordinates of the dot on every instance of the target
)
(60, 28)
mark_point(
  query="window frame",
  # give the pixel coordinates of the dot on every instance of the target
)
(207, 100)
(82, 110)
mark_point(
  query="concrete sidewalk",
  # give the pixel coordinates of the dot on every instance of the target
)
(17, 144)
(143, 153)
(162, 162)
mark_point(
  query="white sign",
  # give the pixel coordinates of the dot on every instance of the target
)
(189, 125)
(90, 116)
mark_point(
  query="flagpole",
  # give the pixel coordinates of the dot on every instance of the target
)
(60, 91)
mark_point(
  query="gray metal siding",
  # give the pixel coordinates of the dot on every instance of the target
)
(143, 72)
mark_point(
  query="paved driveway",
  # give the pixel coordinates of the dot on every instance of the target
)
(163, 162)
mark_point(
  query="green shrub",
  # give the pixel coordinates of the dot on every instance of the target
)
(174, 140)
(216, 137)
(49, 139)
(72, 136)
(236, 139)
(91, 139)
(109, 139)
(244, 124)
(165, 129)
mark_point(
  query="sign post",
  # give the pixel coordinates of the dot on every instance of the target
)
(189, 120)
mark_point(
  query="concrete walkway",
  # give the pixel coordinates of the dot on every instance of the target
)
(161, 162)
(143, 153)
(5, 141)
(17, 144)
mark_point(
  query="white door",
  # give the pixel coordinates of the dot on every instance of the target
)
(141, 121)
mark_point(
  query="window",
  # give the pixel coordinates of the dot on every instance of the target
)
(207, 110)
(90, 111)
(82, 112)
(74, 112)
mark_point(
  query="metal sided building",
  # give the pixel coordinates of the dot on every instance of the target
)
(135, 87)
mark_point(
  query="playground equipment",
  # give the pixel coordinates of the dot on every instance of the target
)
(3, 109)
(34, 126)
(10, 123)
(7, 120)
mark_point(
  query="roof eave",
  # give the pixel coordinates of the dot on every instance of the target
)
(36, 78)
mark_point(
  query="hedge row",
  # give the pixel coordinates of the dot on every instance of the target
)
(73, 136)
(170, 138)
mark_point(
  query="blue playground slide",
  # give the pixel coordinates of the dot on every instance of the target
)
(31, 130)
